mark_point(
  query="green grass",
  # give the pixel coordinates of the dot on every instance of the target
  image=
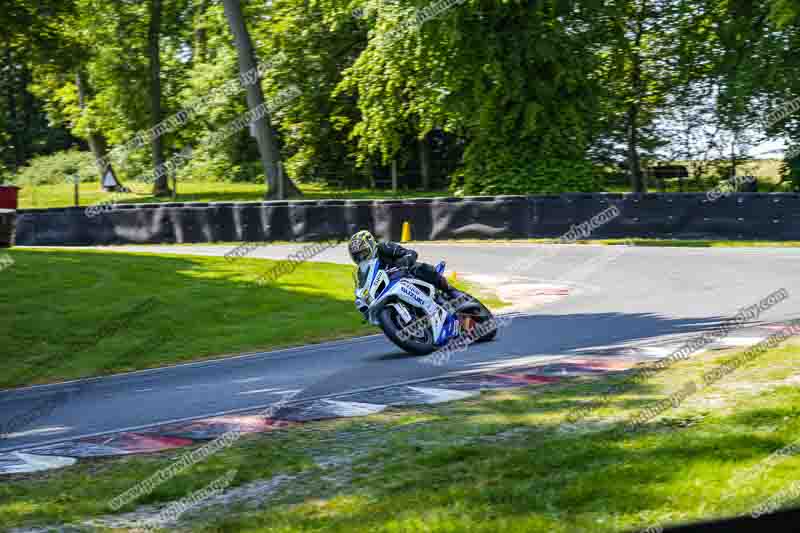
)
(698, 243)
(71, 314)
(503, 462)
(62, 195)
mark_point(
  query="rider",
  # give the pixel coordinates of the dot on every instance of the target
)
(364, 247)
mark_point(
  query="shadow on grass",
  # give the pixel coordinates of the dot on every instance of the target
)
(59, 307)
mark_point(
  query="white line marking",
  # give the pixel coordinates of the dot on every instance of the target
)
(444, 395)
(355, 408)
(658, 350)
(740, 341)
(36, 463)
(248, 380)
(259, 390)
(28, 433)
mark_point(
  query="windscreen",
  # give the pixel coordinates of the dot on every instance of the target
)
(363, 272)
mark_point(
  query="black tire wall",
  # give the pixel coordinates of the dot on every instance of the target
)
(774, 216)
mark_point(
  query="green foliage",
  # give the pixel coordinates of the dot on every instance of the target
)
(790, 175)
(310, 49)
(58, 168)
(515, 171)
(568, 80)
(784, 12)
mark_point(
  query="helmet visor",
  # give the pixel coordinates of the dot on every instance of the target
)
(361, 254)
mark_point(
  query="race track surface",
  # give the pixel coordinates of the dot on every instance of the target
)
(571, 301)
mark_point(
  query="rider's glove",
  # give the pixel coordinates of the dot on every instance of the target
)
(407, 261)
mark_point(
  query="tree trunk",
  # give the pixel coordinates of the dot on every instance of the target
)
(160, 185)
(97, 142)
(425, 163)
(28, 112)
(371, 172)
(635, 25)
(19, 156)
(267, 147)
(634, 165)
(200, 36)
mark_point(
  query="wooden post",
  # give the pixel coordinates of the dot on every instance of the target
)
(394, 176)
(371, 176)
(75, 181)
(424, 163)
(281, 184)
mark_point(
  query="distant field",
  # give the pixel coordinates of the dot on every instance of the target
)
(764, 169)
(767, 172)
(62, 195)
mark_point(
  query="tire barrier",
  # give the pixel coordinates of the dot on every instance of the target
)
(774, 216)
(8, 226)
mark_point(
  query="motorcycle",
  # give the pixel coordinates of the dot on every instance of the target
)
(413, 314)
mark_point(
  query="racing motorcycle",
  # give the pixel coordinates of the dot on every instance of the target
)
(414, 314)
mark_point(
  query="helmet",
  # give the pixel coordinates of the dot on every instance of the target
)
(362, 246)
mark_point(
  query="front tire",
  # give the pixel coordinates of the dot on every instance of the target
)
(391, 326)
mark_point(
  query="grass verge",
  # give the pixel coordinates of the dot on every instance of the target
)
(70, 314)
(681, 243)
(502, 462)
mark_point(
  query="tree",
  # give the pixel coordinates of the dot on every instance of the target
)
(314, 46)
(160, 185)
(268, 148)
(97, 141)
(27, 37)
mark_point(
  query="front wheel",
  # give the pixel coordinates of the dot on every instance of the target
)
(418, 343)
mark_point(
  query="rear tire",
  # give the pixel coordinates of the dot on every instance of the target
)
(480, 313)
(391, 327)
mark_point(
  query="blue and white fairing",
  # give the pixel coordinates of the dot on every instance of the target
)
(375, 289)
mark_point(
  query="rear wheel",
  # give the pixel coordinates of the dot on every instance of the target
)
(476, 314)
(418, 341)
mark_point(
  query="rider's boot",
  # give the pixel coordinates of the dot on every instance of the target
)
(453, 294)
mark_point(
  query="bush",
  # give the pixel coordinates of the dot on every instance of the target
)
(790, 174)
(58, 168)
(517, 171)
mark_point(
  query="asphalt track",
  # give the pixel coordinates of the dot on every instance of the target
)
(570, 301)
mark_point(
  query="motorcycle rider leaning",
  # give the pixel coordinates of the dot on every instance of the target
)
(364, 247)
